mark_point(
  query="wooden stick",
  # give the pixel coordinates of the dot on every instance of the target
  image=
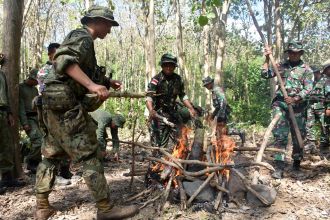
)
(183, 195)
(200, 188)
(263, 146)
(279, 79)
(216, 185)
(218, 200)
(248, 187)
(146, 191)
(151, 200)
(133, 155)
(257, 149)
(167, 191)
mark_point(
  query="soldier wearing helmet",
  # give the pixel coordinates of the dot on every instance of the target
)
(71, 132)
(163, 90)
(297, 77)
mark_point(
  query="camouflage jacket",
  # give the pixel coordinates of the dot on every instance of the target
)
(26, 95)
(327, 93)
(297, 80)
(165, 90)
(4, 98)
(77, 47)
(104, 119)
(43, 72)
(219, 102)
(316, 97)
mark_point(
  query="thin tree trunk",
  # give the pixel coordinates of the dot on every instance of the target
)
(206, 55)
(151, 37)
(221, 39)
(279, 48)
(11, 43)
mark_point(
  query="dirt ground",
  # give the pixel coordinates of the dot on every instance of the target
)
(303, 195)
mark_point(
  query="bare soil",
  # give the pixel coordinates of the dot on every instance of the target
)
(301, 195)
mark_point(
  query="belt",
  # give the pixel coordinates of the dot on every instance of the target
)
(31, 114)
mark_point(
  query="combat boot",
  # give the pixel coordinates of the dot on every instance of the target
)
(105, 211)
(279, 169)
(44, 210)
(65, 171)
(242, 136)
(310, 147)
(296, 165)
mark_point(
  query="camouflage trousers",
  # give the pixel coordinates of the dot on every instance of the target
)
(6, 146)
(71, 134)
(35, 135)
(313, 117)
(284, 126)
(161, 133)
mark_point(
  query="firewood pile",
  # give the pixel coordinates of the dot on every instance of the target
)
(201, 172)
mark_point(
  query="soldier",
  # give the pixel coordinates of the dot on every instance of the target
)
(164, 88)
(6, 147)
(104, 119)
(298, 80)
(316, 111)
(28, 117)
(221, 107)
(326, 72)
(52, 47)
(64, 168)
(71, 131)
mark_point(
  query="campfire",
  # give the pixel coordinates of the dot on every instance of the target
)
(195, 172)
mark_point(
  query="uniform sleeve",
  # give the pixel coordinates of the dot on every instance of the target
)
(152, 88)
(182, 94)
(101, 134)
(307, 84)
(21, 108)
(74, 49)
(327, 93)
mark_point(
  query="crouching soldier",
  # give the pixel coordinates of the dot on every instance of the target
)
(105, 120)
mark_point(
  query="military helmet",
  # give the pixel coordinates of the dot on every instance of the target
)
(326, 64)
(294, 46)
(33, 74)
(119, 120)
(168, 58)
(207, 80)
(96, 11)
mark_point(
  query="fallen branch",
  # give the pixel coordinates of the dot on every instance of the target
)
(258, 149)
(133, 155)
(248, 187)
(151, 200)
(146, 191)
(183, 196)
(200, 188)
(167, 191)
(214, 184)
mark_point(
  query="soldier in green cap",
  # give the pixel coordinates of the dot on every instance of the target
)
(298, 81)
(28, 117)
(163, 91)
(6, 146)
(105, 120)
(221, 107)
(316, 112)
(71, 131)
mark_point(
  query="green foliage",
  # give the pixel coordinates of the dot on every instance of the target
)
(203, 20)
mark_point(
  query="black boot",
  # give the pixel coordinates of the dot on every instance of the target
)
(242, 136)
(296, 165)
(279, 169)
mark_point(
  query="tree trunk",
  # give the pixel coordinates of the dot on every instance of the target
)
(151, 37)
(11, 43)
(206, 51)
(268, 12)
(279, 48)
(179, 44)
(221, 39)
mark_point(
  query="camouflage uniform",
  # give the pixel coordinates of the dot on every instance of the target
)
(326, 66)
(6, 147)
(70, 129)
(316, 112)
(298, 81)
(104, 119)
(166, 89)
(222, 108)
(29, 116)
